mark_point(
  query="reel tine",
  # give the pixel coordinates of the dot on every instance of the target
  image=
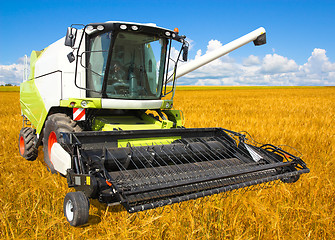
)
(162, 210)
(132, 217)
(172, 206)
(180, 204)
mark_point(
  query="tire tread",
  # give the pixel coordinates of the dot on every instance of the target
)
(80, 208)
(29, 136)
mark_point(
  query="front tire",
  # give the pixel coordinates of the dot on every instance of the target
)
(54, 125)
(76, 208)
(27, 140)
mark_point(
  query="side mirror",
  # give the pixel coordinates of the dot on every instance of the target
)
(70, 37)
(185, 52)
(71, 57)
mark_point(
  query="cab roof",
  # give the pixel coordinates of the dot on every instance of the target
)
(119, 26)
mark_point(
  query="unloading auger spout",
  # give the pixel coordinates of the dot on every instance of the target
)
(258, 36)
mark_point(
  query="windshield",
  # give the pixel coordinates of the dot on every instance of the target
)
(136, 67)
(96, 62)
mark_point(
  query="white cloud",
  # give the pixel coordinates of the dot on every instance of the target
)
(318, 63)
(13, 73)
(203, 82)
(273, 69)
(274, 63)
(223, 67)
(213, 45)
(190, 44)
(198, 54)
(251, 60)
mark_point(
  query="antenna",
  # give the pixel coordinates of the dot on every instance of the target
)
(25, 68)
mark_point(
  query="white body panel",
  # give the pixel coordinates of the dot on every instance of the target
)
(130, 104)
(50, 88)
(68, 88)
(199, 62)
(60, 159)
(54, 74)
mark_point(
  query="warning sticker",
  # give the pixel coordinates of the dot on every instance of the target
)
(79, 114)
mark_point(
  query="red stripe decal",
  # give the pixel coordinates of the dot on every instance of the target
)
(80, 116)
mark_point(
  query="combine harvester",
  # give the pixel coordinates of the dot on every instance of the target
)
(100, 102)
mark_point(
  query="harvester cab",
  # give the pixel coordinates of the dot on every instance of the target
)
(126, 61)
(100, 102)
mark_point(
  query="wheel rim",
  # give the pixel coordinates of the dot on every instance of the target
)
(52, 139)
(22, 147)
(69, 210)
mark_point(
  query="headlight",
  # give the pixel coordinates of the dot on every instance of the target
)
(83, 103)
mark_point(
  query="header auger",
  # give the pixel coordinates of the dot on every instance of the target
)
(100, 102)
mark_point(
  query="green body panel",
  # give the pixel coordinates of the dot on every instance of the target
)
(143, 122)
(96, 103)
(167, 104)
(91, 102)
(34, 56)
(175, 116)
(32, 104)
(146, 141)
(110, 123)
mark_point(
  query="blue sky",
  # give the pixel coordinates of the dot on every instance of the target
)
(300, 34)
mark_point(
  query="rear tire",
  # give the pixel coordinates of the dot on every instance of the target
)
(27, 140)
(76, 208)
(54, 125)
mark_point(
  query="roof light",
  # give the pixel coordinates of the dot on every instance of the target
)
(89, 28)
(176, 30)
(72, 104)
(135, 28)
(168, 34)
(123, 27)
(173, 35)
(100, 27)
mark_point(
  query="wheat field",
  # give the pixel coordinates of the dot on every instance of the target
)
(31, 199)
